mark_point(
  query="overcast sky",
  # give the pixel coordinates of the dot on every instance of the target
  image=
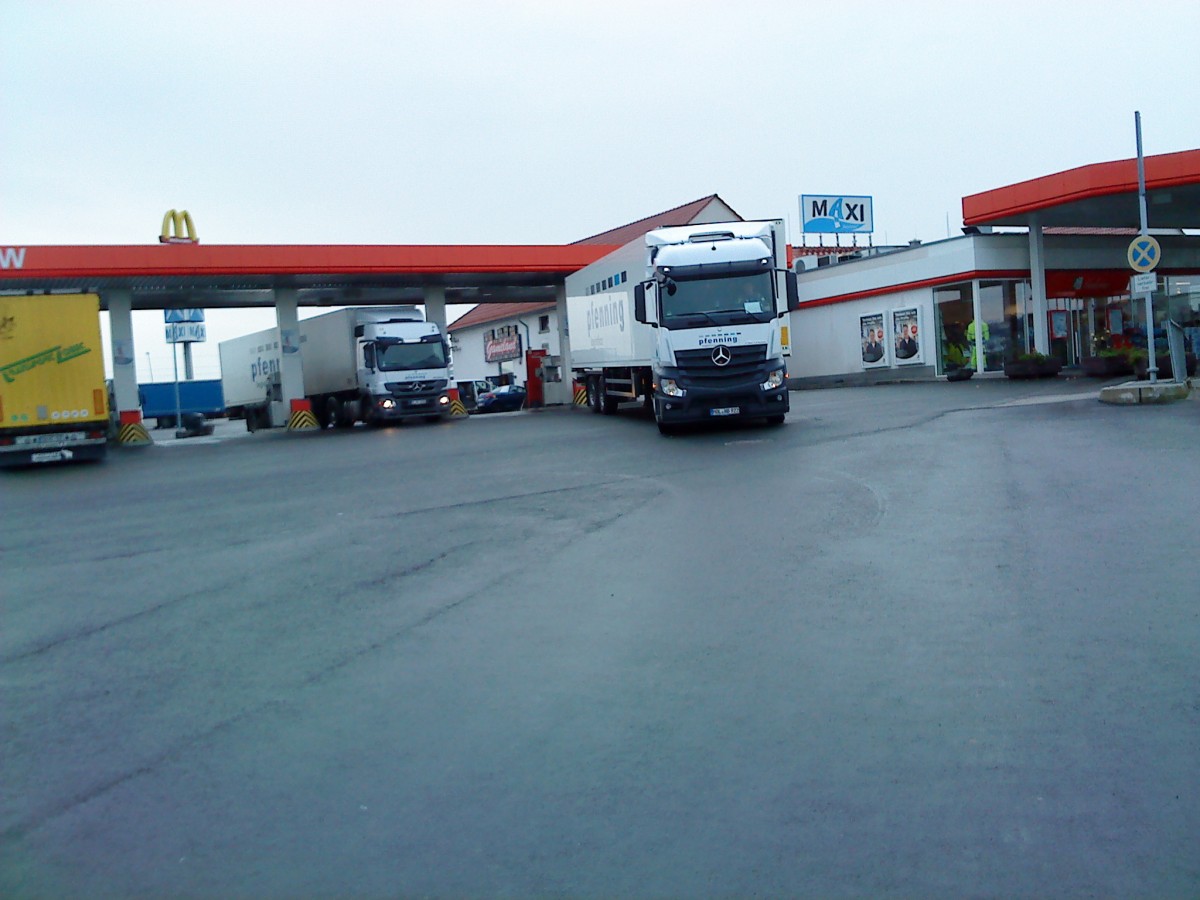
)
(544, 122)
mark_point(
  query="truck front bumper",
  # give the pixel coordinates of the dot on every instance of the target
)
(704, 404)
(392, 408)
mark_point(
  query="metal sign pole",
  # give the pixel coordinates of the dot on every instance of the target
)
(1149, 295)
(178, 412)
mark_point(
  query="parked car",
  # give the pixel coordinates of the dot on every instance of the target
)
(506, 398)
(470, 391)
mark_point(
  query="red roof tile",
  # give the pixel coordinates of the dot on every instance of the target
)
(680, 215)
(494, 312)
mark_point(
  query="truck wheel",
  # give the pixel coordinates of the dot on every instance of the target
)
(665, 429)
(775, 420)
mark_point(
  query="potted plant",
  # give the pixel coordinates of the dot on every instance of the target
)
(1141, 364)
(1033, 365)
(1108, 362)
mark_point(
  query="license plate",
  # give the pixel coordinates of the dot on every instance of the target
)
(725, 411)
(50, 457)
(56, 438)
(418, 403)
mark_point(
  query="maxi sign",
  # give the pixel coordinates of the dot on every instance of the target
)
(184, 326)
(822, 214)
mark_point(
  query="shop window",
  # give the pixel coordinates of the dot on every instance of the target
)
(1002, 308)
(952, 307)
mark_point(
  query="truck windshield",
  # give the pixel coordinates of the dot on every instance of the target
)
(734, 298)
(396, 357)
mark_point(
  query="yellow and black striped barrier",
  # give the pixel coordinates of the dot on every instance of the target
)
(457, 407)
(580, 394)
(302, 418)
(132, 433)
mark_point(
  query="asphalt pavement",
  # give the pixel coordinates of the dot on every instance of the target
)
(928, 640)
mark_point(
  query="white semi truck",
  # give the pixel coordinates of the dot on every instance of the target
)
(374, 364)
(689, 321)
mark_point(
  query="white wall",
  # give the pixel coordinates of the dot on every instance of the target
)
(826, 341)
(469, 362)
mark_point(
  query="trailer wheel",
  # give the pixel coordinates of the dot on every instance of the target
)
(593, 393)
(608, 405)
(332, 412)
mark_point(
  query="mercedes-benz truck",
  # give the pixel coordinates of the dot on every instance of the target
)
(373, 364)
(690, 321)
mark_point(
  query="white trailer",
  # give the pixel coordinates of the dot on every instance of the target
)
(688, 321)
(250, 376)
(374, 364)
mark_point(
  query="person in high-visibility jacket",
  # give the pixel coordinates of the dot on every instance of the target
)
(971, 332)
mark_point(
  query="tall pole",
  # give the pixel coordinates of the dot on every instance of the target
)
(1141, 169)
(178, 411)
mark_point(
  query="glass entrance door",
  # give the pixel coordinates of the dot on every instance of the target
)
(1066, 326)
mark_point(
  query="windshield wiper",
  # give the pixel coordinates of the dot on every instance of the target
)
(703, 315)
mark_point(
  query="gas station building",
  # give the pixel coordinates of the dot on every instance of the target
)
(1057, 284)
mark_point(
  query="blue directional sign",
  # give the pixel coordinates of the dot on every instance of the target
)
(171, 316)
(1144, 253)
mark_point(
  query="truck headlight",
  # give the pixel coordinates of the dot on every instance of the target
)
(387, 403)
(774, 380)
(444, 400)
(669, 387)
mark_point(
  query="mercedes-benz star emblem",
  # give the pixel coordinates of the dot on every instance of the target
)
(721, 356)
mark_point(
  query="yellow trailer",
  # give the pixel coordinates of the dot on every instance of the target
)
(53, 396)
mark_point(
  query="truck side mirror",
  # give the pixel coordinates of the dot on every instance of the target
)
(793, 292)
(639, 303)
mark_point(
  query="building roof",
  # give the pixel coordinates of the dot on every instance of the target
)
(215, 275)
(680, 215)
(495, 312)
(1098, 195)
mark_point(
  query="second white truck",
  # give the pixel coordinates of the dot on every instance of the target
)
(690, 321)
(372, 364)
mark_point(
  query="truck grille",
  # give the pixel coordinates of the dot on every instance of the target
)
(700, 368)
(399, 388)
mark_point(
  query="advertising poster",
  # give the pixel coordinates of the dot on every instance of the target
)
(873, 340)
(1058, 323)
(907, 336)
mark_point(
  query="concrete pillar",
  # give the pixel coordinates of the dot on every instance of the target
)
(435, 304)
(564, 345)
(291, 371)
(124, 353)
(1037, 274)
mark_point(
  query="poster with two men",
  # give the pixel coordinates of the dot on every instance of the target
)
(891, 339)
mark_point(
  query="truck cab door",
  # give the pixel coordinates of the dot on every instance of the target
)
(645, 303)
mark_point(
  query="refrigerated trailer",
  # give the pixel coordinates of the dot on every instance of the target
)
(374, 364)
(53, 396)
(689, 321)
